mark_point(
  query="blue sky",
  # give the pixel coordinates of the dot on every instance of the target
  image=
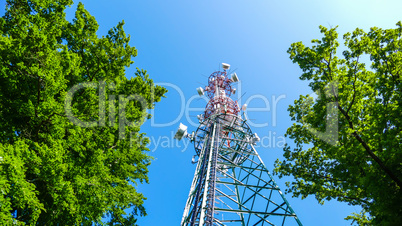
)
(181, 42)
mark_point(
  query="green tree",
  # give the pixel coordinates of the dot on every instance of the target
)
(53, 169)
(348, 139)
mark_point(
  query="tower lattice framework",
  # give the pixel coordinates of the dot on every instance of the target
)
(231, 184)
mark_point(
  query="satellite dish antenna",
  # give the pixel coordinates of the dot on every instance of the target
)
(200, 91)
(181, 132)
(225, 66)
(256, 138)
(234, 77)
(244, 107)
(200, 117)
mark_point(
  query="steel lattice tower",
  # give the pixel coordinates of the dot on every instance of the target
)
(231, 184)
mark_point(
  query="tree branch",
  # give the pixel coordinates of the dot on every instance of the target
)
(369, 151)
(354, 87)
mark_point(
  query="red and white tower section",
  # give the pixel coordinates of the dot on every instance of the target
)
(231, 185)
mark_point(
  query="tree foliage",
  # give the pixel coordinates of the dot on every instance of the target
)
(52, 171)
(360, 92)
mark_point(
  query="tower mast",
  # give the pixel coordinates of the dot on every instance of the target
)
(231, 184)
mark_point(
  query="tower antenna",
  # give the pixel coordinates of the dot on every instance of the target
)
(231, 184)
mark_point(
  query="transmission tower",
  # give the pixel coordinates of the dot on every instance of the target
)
(231, 184)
